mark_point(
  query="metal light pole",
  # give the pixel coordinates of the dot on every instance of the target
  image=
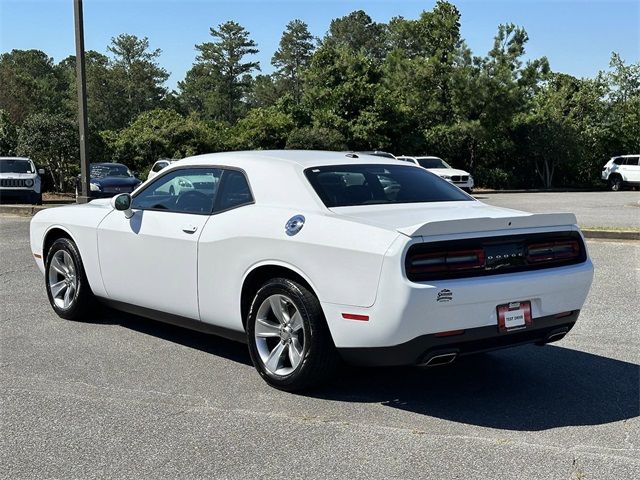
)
(81, 82)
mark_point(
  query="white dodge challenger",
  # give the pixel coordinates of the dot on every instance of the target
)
(317, 257)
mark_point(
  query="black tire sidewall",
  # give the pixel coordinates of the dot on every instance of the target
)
(83, 292)
(315, 333)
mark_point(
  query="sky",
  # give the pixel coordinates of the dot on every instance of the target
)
(577, 36)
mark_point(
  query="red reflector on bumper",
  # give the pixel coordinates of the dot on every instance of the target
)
(450, 333)
(353, 316)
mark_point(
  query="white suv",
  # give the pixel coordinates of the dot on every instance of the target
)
(436, 165)
(622, 170)
(20, 181)
(159, 165)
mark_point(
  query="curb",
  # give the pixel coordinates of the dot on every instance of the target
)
(23, 210)
(30, 210)
(611, 234)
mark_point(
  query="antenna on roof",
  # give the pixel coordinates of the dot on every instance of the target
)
(351, 155)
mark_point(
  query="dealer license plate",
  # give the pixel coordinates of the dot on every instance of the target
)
(514, 316)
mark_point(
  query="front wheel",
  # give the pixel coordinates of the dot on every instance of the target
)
(289, 341)
(67, 286)
(615, 183)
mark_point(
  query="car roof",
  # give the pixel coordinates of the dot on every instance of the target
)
(420, 157)
(15, 158)
(302, 158)
(276, 176)
(106, 164)
(628, 155)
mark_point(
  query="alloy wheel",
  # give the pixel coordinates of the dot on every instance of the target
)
(62, 279)
(279, 335)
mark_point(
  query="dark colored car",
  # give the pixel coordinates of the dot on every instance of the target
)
(109, 179)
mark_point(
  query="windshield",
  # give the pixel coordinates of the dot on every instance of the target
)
(112, 170)
(16, 166)
(433, 163)
(351, 185)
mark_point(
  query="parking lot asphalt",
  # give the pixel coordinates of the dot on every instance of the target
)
(592, 209)
(123, 397)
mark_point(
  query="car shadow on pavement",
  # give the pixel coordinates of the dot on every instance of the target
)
(212, 344)
(528, 388)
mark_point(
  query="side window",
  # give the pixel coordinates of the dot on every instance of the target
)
(632, 161)
(188, 190)
(234, 190)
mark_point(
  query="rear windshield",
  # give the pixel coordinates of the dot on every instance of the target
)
(351, 185)
(16, 166)
(433, 163)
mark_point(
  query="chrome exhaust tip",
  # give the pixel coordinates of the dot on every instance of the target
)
(438, 359)
(555, 336)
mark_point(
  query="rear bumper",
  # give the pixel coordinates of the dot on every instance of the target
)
(419, 350)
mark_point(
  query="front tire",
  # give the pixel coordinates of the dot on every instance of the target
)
(289, 341)
(615, 183)
(67, 286)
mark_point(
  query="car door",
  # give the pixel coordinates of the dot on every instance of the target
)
(150, 259)
(632, 169)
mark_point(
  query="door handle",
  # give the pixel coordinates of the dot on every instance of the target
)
(190, 229)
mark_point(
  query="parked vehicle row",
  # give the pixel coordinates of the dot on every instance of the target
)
(436, 165)
(313, 258)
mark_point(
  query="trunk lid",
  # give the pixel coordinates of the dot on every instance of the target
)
(443, 218)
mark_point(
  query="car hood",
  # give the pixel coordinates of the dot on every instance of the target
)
(447, 171)
(18, 175)
(115, 181)
(441, 218)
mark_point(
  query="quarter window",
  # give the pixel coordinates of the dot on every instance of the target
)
(188, 190)
(234, 190)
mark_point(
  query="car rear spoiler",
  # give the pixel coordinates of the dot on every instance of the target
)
(486, 224)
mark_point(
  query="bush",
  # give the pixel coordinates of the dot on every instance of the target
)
(262, 128)
(496, 178)
(312, 138)
(52, 141)
(162, 134)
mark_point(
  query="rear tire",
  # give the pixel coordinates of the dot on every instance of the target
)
(293, 348)
(67, 286)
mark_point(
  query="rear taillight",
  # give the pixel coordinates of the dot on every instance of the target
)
(446, 261)
(475, 257)
(553, 251)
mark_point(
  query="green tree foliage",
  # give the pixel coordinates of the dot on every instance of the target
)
(139, 77)
(8, 135)
(624, 95)
(358, 32)
(316, 138)
(52, 140)
(341, 93)
(106, 104)
(293, 56)
(220, 80)
(262, 128)
(162, 134)
(28, 84)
